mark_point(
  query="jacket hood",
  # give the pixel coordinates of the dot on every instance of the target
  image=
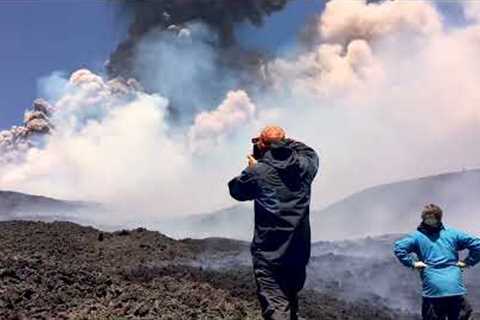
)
(281, 156)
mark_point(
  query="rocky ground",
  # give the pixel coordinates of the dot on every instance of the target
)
(342, 266)
(65, 271)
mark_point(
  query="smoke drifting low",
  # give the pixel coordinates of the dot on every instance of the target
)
(385, 91)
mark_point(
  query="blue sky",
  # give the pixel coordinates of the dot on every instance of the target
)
(280, 30)
(38, 37)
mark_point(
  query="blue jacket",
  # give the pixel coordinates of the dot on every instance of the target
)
(439, 251)
(280, 185)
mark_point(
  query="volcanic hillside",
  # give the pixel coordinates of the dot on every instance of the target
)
(395, 208)
(65, 271)
(359, 271)
(16, 205)
(367, 269)
(391, 208)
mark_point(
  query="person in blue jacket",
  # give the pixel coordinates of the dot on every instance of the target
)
(278, 178)
(436, 248)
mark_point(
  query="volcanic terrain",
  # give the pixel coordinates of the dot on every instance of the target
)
(63, 270)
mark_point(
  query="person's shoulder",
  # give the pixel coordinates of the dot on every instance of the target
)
(259, 169)
(453, 231)
(418, 236)
(291, 143)
(411, 235)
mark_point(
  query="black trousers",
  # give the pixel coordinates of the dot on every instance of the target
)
(277, 290)
(451, 308)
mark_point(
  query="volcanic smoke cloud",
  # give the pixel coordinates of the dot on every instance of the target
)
(220, 15)
(385, 91)
(209, 127)
(14, 143)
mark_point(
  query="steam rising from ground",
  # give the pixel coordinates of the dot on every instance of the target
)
(384, 91)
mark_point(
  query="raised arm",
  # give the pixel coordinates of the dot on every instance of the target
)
(244, 187)
(472, 244)
(308, 158)
(403, 250)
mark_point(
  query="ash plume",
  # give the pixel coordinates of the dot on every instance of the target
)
(83, 91)
(220, 15)
(15, 142)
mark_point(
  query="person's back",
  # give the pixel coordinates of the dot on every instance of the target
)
(280, 184)
(437, 249)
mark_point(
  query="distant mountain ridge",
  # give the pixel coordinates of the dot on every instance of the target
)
(16, 205)
(386, 209)
(395, 207)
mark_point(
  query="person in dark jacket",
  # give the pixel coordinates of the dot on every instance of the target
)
(278, 178)
(436, 248)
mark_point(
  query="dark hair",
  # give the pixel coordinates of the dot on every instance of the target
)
(432, 209)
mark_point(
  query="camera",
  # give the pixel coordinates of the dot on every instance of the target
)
(257, 152)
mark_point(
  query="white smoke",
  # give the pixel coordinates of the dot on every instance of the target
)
(344, 21)
(215, 126)
(387, 91)
(112, 145)
(328, 70)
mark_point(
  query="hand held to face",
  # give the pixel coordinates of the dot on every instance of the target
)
(252, 162)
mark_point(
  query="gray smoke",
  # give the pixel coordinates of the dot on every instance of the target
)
(220, 15)
(186, 51)
(15, 142)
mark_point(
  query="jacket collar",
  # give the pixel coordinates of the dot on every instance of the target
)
(426, 229)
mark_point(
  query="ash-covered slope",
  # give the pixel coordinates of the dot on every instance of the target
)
(16, 205)
(359, 271)
(386, 209)
(235, 223)
(367, 269)
(66, 271)
(395, 208)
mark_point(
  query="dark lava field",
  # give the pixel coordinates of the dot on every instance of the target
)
(63, 270)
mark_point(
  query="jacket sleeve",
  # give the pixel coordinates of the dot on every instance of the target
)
(244, 187)
(403, 250)
(467, 241)
(308, 158)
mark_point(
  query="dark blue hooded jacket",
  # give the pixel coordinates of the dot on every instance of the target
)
(280, 185)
